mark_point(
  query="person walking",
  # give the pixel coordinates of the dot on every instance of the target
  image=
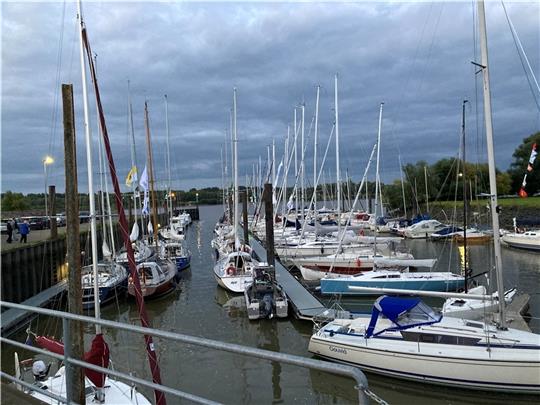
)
(15, 227)
(24, 230)
(9, 232)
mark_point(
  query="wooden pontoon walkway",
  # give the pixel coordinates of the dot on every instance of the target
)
(305, 305)
(12, 319)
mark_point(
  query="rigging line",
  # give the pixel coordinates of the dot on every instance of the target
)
(430, 47)
(403, 92)
(54, 115)
(476, 78)
(523, 56)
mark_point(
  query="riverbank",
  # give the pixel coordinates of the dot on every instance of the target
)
(525, 210)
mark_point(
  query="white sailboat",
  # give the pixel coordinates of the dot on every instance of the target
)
(405, 338)
(234, 271)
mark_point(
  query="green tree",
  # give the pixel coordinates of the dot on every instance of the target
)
(504, 183)
(519, 166)
(13, 202)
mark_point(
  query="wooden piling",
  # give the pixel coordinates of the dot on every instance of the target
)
(75, 382)
(244, 198)
(269, 216)
(52, 210)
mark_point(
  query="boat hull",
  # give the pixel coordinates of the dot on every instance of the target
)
(477, 372)
(182, 262)
(340, 286)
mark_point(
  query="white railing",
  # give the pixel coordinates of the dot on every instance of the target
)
(353, 372)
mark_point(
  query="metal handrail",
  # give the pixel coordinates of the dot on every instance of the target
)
(334, 368)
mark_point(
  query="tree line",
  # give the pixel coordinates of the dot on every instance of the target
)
(440, 181)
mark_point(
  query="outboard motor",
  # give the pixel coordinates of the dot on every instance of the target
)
(266, 309)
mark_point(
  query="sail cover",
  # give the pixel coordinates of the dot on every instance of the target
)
(97, 355)
(403, 312)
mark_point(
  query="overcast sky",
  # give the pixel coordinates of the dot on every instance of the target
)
(413, 56)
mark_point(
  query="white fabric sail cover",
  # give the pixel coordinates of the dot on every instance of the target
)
(134, 232)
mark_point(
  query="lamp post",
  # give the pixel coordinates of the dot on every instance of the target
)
(47, 160)
(196, 198)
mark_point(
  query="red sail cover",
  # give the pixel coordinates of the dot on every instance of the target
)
(97, 355)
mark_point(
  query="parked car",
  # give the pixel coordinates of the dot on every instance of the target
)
(84, 216)
(36, 223)
(3, 227)
(60, 220)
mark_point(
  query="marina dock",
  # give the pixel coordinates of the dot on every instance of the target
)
(304, 304)
(15, 318)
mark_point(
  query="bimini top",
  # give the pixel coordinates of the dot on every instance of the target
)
(403, 312)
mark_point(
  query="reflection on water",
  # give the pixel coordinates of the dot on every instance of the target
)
(199, 307)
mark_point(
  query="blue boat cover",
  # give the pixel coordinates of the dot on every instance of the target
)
(403, 312)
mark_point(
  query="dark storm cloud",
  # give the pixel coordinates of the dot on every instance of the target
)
(414, 57)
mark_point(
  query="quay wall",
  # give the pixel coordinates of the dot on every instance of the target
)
(28, 270)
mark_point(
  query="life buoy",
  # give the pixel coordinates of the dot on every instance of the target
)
(231, 270)
(358, 262)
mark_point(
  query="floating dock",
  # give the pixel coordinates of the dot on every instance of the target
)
(14, 318)
(304, 304)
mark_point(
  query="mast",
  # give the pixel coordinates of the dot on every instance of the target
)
(235, 168)
(302, 165)
(466, 270)
(169, 199)
(89, 169)
(274, 186)
(402, 185)
(295, 166)
(315, 146)
(338, 180)
(427, 195)
(286, 174)
(377, 176)
(133, 154)
(151, 170)
(491, 161)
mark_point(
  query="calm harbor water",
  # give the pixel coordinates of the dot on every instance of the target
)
(200, 308)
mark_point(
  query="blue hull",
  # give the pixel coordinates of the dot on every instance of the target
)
(182, 262)
(340, 286)
(106, 294)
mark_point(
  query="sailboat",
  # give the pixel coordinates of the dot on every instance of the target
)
(529, 240)
(157, 276)
(170, 237)
(98, 387)
(405, 338)
(234, 271)
(111, 276)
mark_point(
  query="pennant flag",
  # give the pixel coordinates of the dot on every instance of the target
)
(290, 204)
(144, 180)
(132, 176)
(534, 153)
(146, 204)
(522, 193)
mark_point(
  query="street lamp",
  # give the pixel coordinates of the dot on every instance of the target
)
(47, 160)
(197, 198)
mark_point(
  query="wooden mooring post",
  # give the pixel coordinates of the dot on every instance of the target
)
(245, 223)
(52, 210)
(74, 375)
(269, 220)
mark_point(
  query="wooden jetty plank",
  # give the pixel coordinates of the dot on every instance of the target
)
(12, 318)
(305, 305)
